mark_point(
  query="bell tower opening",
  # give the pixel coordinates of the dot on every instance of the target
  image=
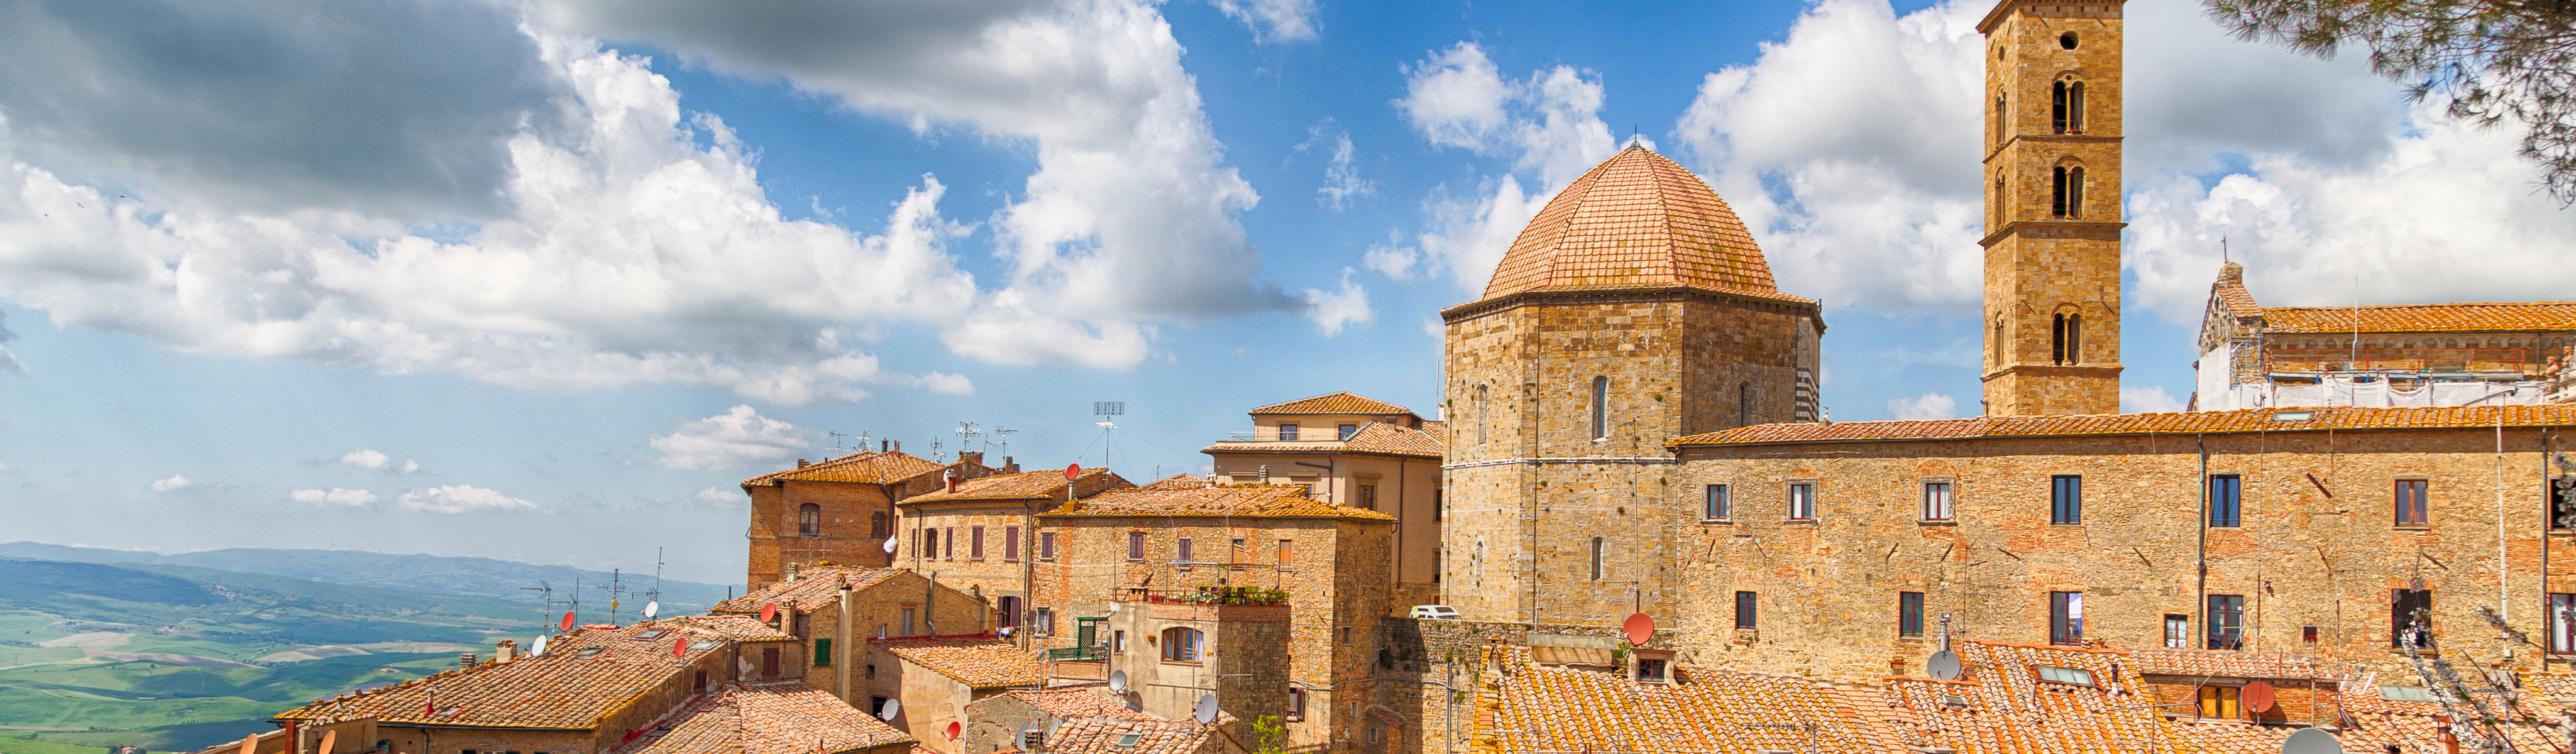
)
(2052, 255)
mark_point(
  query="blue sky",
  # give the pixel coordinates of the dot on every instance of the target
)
(541, 280)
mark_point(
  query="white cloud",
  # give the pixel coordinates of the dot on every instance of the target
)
(334, 496)
(1392, 259)
(723, 496)
(8, 361)
(1548, 125)
(2147, 399)
(1923, 407)
(460, 498)
(171, 483)
(1331, 311)
(1282, 20)
(737, 439)
(1341, 180)
(409, 467)
(366, 459)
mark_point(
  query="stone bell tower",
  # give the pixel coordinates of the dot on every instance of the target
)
(2052, 171)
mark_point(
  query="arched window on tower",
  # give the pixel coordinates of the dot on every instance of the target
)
(2057, 106)
(2075, 107)
(2075, 192)
(809, 519)
(1600, 408)
(2057, 192)
(1596, 558)
(2066, 339)
(878, 525)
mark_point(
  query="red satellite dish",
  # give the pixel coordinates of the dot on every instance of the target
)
(1073, 472)
(2259, 696)
(330, 738)
(769, 612)
(954, 730)
(567, 621)
(680, 648)
(1639, 628)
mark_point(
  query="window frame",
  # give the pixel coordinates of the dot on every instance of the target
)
(1288, 432)
(2222, 619)
(2562, 623)
(1345, 431)
(1046, 545)
(1909, 614)
(823, 652)
(1182, 550)
(1597, 546)
(1940, 500)
(1802, 499)
(975, 543)
(1748, 611)
(2066, 499)
(2420, 489)
(2218, 702)
(1181, 645)
(1011, 543)
(2066, 618)
(1716, 503)
(1287, 554)
(2177, 631)
(1367, 496)
(2400, 619)
(1135, 546)
(1600, 409)
(2234, 501)
(809, 520)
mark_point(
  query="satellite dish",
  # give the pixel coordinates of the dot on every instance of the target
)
(892, 706)
(1639, 628)
(1113, 608)
(954, 730)
(2258, 696)
(1055, 726)
(2311, 741)
(1943, 665)
(889, 545)
(567, 621)
(652, 608)
(1072, 472)
(1117, 681)
(680, 648)
(768, 612)
(329, 738)
(1022, 737)
(537, 647)
(1206, 711)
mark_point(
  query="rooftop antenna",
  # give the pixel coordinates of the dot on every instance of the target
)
(934, 449)
(1104, 410)
(545, 600)
(614, 590)
(836, 440)
(653, 599)
(966, 434)
(1002, 445)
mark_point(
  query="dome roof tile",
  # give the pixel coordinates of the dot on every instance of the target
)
(1636, 220)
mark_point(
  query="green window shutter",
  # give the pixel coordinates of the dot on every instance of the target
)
(822, 653)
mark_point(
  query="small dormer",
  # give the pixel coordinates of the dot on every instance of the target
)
(1651, 666)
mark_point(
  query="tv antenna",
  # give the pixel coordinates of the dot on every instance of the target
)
(545, 599)
(653, 599)
(1108, 426)
(1003, 444)
(966, 434)
(840, 441)
(615, 590)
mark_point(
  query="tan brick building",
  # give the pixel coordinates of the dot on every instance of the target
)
(878, 603)
(840, 511)
(1358, 452)
(1635, 307)
(978, 536)
(2254, 356)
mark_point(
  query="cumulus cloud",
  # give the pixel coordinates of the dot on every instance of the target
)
(1341, 180)
(723, 496)
(1548, 125)
(334, 497)
(739, 438)
(2147, 399)
(1273, 20)
(8, 361)
(1923, 407)
(460, 498)
(171, 483)
(366, 458)
(1336, 309)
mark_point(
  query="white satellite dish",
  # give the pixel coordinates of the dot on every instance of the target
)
(2311, 741)
(1113, 608)
(1117, 681)
(892, 706)
(538, 647)
(1206, 711)
(652, 608)
(889, 545)
(1943, 665)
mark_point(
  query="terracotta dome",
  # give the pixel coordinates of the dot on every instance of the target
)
(1636, 220)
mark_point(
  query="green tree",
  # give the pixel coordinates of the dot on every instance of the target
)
(2494, 60)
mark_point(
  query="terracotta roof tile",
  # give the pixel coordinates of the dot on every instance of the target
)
(1637, 220)
(863, 467)
(2198, 662)
(736, 718)
(2196, 422)
(1177, 482)
(2538, 315)
(977, 661)
(1373, 437)
(1071, 703)
(1264, 500)
(1028, 485)
(1335, 403)
(1103, 735)
(583, 676)
(729, 627)
(812, 588)
(2230, 289)
(1538, 708)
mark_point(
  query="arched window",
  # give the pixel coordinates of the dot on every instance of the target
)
(2075, 191)
(809, 519)
(1596, 558)
(1181, 644)
(877, 525)
(2057, 106)
(1600, 408)
(2063, 196)
(2066, 339)
(2075, 107)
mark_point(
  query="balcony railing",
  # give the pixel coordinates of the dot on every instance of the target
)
(1205, 595)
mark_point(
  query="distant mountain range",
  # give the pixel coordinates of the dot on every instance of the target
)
(482, 578)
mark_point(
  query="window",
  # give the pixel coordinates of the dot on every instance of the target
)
(809, 519)
(1716, 508)
(1181, 644)
(1287, 433)
(1600, 408)
(1287, 554)
(2057, 195)
(2410, 502)
(1296, 703)
(1184, 549)
(1008, 609)
(1010, 543)
(1346, 430)
(975, 545)
(1744, 617)
(1118, 642)
(2562, 502)
(1135, 545)
(2065, 617)
(2075, 106)
(2562, 622)
(2221, 702)
(2066, 40)
(1651, 670)
(2226, 621)
(2066, 499)
(2057, 106)
(2177, 631)
(907, 621)
(823, 653)
(1482, 416)
(2226, 504)
(2075, 676)
(700, 682)
(1909, 613)
(2066, 339)
(1596, 558)
(2308, 633)
(1743, 404)
(878, 525)
(1043, 622)
(2410, 615)
(1368, 496)
(2066, 105)
(1936, 501)
(930, 543)
(948, 547)
(768, 662)
(1802, 502)
(1046, 545)
(1238, 553)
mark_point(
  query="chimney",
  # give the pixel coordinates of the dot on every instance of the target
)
(898, 446)
(971, 456)
(791, 572)
(506, 651)
(1010, 466)
(951, 478)
(465, 660)
(882, 445)
(800, 463)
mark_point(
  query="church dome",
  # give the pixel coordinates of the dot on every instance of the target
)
(1636, 220)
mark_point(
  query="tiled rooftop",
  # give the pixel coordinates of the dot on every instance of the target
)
(1373, 437)
(570, 686)
(1273, 501)
(2208, 662)
(862, 467)
(730, 627)
(1536, 708)
(1177, 482)
(2230, 289)
(1043, 484)
(735, 718)
(1071, 703)
(2541, 315)
(2344, 418)
(1335, 403)
(811, 589)
(1635, 221)
(977, 661)
(1102, 735)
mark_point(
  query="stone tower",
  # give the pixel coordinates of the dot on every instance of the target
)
(2052, 299)
(1633, 309)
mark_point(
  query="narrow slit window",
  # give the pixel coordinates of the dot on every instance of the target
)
(2075, 107)
(1596, 558)
(2057, 110)
(2066, 499)
(1909, 613)
(1744, 608)
(2075, 192)
(1600, 408)
(2057, 194)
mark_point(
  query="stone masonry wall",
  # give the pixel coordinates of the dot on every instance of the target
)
(2040, 265)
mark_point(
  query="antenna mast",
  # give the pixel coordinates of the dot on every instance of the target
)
(1108, 427)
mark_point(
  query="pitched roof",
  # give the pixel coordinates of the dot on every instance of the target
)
(2537, 315)
(1373, 437)
(1541, 708)
(810, 589)
(1072, 703)
(2009, 709)
(1335, 403)
(2230, 290)
(1102, 735)
(735, 718)
(2204, 662)
(978, 661)
(731, 627)
(863, 467)
(2324, 418)
(1177, 482)
(1637, 220)
(1262, 500)
(582, 677)
(1041, 484)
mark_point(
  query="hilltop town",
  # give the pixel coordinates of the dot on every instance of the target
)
(1629, 526)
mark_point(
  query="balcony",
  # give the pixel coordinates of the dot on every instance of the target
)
(1250, 596)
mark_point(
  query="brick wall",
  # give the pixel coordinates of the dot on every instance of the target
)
(2041, 265)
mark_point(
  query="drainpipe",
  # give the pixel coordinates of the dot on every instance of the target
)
(2201, 599)
(930, 603)
(841, 645)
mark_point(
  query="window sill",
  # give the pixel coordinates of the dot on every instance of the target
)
(2413, 527)
(1943, 522)
(1191, 663)
(2066, 523)
(1718, 521)
(1799, 521)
